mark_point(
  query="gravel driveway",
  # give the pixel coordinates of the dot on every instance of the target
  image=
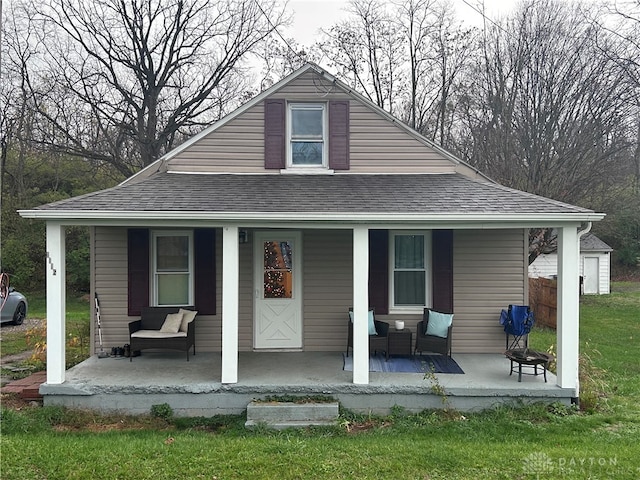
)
(26, 325)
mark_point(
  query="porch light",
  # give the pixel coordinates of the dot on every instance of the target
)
(243, 236)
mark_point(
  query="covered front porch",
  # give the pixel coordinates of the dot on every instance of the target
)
(195, 388)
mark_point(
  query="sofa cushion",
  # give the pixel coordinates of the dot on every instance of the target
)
(172, 323)
(157, 334)
(187, 318)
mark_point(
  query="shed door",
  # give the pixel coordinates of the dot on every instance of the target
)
(591, 275)
(278, 290)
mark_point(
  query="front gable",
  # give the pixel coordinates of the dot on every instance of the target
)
(361, 138)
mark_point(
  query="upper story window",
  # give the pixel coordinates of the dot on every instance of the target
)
(307, 135)
(310, 137)
(410, 280)
(172, 255)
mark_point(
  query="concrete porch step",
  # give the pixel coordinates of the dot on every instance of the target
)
(281, 415)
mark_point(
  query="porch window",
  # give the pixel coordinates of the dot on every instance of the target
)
(172, 281)
(307, 131)
(409, 262)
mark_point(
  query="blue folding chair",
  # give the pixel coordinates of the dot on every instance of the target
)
(517, 321)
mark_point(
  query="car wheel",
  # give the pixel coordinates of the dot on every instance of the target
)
(20, 314)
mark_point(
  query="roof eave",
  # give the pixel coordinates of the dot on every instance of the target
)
(313, 217)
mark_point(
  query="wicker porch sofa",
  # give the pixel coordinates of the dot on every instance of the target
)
(146, 333)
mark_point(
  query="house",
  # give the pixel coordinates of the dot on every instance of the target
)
(594, 267)
(305, 201)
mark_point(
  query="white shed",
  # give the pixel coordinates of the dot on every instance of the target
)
(595, 265)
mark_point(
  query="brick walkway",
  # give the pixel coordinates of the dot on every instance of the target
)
(27, 388)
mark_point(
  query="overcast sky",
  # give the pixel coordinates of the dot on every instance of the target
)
(312, 15)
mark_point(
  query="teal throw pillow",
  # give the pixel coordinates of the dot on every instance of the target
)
(439, 323)
(372, 325)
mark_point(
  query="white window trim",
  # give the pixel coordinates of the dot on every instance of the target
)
(410, 309)
(154, 285)
(325, 138)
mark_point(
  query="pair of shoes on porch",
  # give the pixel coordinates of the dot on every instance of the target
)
(117, 352)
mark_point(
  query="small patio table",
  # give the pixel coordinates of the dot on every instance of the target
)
(530, 358)
(399, 342)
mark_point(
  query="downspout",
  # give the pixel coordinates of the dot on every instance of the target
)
(584, 228)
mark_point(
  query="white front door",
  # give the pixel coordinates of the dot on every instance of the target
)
(591, 275)
(278, 290)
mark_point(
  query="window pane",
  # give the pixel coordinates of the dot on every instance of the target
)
(306, 153)
(173, 289)
(409, 288)
(306, 122)
(409, 251)
(278, 276)
(277, 255)
(172, 254)
(277, 284)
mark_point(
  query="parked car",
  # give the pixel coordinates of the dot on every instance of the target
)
(14, 309)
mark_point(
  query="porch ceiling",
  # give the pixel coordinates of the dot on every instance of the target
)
(306, 197)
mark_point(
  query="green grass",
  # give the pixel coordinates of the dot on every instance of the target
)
(77, 328)
(508, 443)
(78, 305)
(12, 343)
(431, 445)
(609, 344)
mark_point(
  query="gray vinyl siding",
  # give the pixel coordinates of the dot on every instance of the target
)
(377, 145)
(109, 256)
(110, 260)
(489, 268)
(328, 288)
(488, 275)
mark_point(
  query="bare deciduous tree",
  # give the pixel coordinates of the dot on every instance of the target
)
(439, 50)
(366, 51)
(407, 56)
(121, 82)
(548, 106)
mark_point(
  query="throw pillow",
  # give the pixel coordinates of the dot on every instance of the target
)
(187, 318)
(171, 323)
(372, 324)
(439, 323)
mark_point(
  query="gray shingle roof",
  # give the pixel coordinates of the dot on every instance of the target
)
(590, 243)
(350, 193)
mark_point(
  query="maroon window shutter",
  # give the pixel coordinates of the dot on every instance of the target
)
(379, 271)
(339, 135)
(442, 270)
(138, 270)
(274, 133)
(204, 242)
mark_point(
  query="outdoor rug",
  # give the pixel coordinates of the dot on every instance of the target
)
(408, 364)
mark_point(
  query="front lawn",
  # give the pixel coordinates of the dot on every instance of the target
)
(532, 442)
(32, 335)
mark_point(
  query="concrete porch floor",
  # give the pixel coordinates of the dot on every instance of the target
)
(194, 388)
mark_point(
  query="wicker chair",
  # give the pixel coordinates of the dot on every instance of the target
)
(431, 343)
(377, 342)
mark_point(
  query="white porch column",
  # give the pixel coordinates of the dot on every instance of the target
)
(56, 303)
(568, 321)
(230, 298)
(360, 305)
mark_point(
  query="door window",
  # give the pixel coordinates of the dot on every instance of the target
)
(278, 273)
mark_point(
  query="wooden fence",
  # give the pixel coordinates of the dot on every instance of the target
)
(543, 296)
